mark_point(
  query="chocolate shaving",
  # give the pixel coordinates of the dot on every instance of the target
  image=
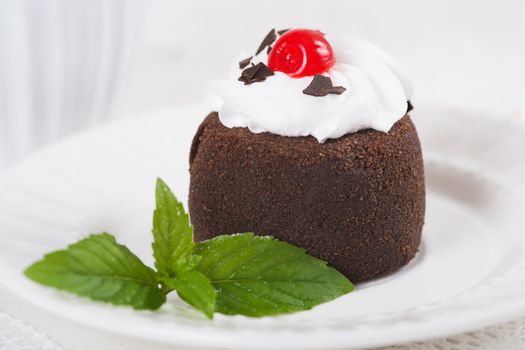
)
(409, 106)
(267, 41)
(337, 90)
(268, 50)
(322, 86)
(256, 73)
(282, 31)
(245, 62)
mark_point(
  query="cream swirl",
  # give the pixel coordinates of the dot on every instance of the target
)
(377, 91)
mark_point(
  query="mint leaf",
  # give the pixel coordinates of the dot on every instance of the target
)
(195, 289)
(172, 232)
(231, 274)
(101, 269)
(187, 263)
(260, 276)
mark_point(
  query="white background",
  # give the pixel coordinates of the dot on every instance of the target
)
(468, 53)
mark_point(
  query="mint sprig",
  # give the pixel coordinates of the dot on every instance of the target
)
(195, 289)
(260, 276)
(100, 268)
(172, 232)
(230, 274)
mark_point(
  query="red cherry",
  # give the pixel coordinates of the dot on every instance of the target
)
(300, 53)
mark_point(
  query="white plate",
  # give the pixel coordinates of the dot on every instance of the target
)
(470, 271)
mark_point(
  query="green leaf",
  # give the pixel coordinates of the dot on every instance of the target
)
(172, 232)
(187, 264)
(260, 276)
(101, 269)
(195, 289)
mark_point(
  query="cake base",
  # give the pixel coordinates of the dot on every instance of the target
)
(357, 202)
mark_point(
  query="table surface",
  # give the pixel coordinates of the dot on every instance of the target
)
(467, 53)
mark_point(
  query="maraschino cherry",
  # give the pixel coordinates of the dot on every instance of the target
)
(301, 53)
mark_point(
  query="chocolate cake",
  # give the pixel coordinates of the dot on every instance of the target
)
(313, 145)
(357, 202)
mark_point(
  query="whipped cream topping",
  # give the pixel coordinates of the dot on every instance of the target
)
(377, 91)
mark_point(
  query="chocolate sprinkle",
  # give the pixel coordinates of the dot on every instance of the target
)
(267, 41)
(409, 106)
(322, 86)
(254, 74)
(245, 62)
(282, 31)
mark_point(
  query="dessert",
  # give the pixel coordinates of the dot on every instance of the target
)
(310, 141)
